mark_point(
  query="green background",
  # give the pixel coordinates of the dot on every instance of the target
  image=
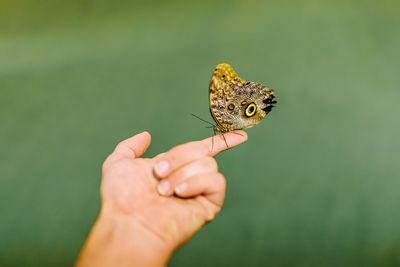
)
(318, 182)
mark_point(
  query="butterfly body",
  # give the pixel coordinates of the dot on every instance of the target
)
(236, 104)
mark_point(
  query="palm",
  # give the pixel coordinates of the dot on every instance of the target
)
(176, 216)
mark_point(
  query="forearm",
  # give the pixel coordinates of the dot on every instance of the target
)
(122, 241)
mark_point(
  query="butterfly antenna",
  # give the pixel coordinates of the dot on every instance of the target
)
(203, 120)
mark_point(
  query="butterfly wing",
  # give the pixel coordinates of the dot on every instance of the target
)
(223, 80)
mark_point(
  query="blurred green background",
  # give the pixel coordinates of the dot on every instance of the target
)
(318, 182)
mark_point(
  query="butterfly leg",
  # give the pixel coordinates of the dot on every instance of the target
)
(223, 136)
(237, 133)
(212, 140)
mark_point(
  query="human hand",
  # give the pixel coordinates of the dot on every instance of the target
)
(163, 200)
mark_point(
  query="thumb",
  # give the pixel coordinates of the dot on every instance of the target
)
(134, 146)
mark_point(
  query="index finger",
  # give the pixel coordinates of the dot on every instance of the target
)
(186, 153)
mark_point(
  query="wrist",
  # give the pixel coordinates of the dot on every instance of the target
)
(123, 239)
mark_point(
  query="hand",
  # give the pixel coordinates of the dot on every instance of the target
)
(158, 203)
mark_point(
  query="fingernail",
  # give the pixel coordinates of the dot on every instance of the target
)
(163, 187)
(161, 168)
(181, 188)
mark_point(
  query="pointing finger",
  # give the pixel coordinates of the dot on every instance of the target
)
(186, 153)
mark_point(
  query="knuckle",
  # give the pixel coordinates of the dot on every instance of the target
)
(220, 181)
(181, 173)
(180, 148)
(210, 163)
(193, 149)
(119, 146)
(175, 154)
(210, 216)
(212, 213)
(114, 162)
(172, 159)
(104, 166)
(108, 161)
(203, 147)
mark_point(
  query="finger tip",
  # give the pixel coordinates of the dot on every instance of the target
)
(146, 136)
(161, 168)
(239, 136)
(146, 133)
(227, 140)
(244, 135)
(164, 187)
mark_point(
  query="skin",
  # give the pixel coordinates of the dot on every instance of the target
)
(151, 206)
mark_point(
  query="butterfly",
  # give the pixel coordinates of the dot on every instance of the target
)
(236, 104)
